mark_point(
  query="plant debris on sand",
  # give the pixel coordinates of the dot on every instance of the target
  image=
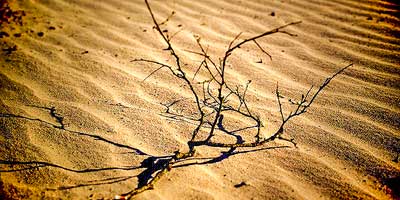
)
(213, 98)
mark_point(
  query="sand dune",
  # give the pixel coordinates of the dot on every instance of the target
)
(80, 69)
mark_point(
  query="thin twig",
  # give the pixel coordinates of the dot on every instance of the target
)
(215, 97)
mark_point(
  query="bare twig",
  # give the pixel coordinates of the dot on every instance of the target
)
(213, 98)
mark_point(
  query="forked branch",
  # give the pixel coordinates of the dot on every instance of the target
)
(214, 98)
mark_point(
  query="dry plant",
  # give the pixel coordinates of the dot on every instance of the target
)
(214, 97)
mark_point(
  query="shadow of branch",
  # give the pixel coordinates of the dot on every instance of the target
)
(223, 156)
(39, 164)
(106, 181)
(62, 127)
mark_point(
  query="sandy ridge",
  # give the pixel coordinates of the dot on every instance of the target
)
(347, 143)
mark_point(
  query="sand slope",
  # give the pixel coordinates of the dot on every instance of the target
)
(348, 143)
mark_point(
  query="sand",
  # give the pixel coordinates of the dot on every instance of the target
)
(73, 64)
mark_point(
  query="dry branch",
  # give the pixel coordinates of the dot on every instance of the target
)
(214, 97)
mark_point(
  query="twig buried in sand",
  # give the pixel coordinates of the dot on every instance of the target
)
(215, 97)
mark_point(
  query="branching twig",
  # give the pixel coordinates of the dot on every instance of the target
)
(214, 97)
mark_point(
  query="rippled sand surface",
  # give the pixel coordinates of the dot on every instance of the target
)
(79, 69)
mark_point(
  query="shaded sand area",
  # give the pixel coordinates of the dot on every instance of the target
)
(77, 121)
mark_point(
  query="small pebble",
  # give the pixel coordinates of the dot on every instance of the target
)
(4, 34)
(9, 50)
(240, 184)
